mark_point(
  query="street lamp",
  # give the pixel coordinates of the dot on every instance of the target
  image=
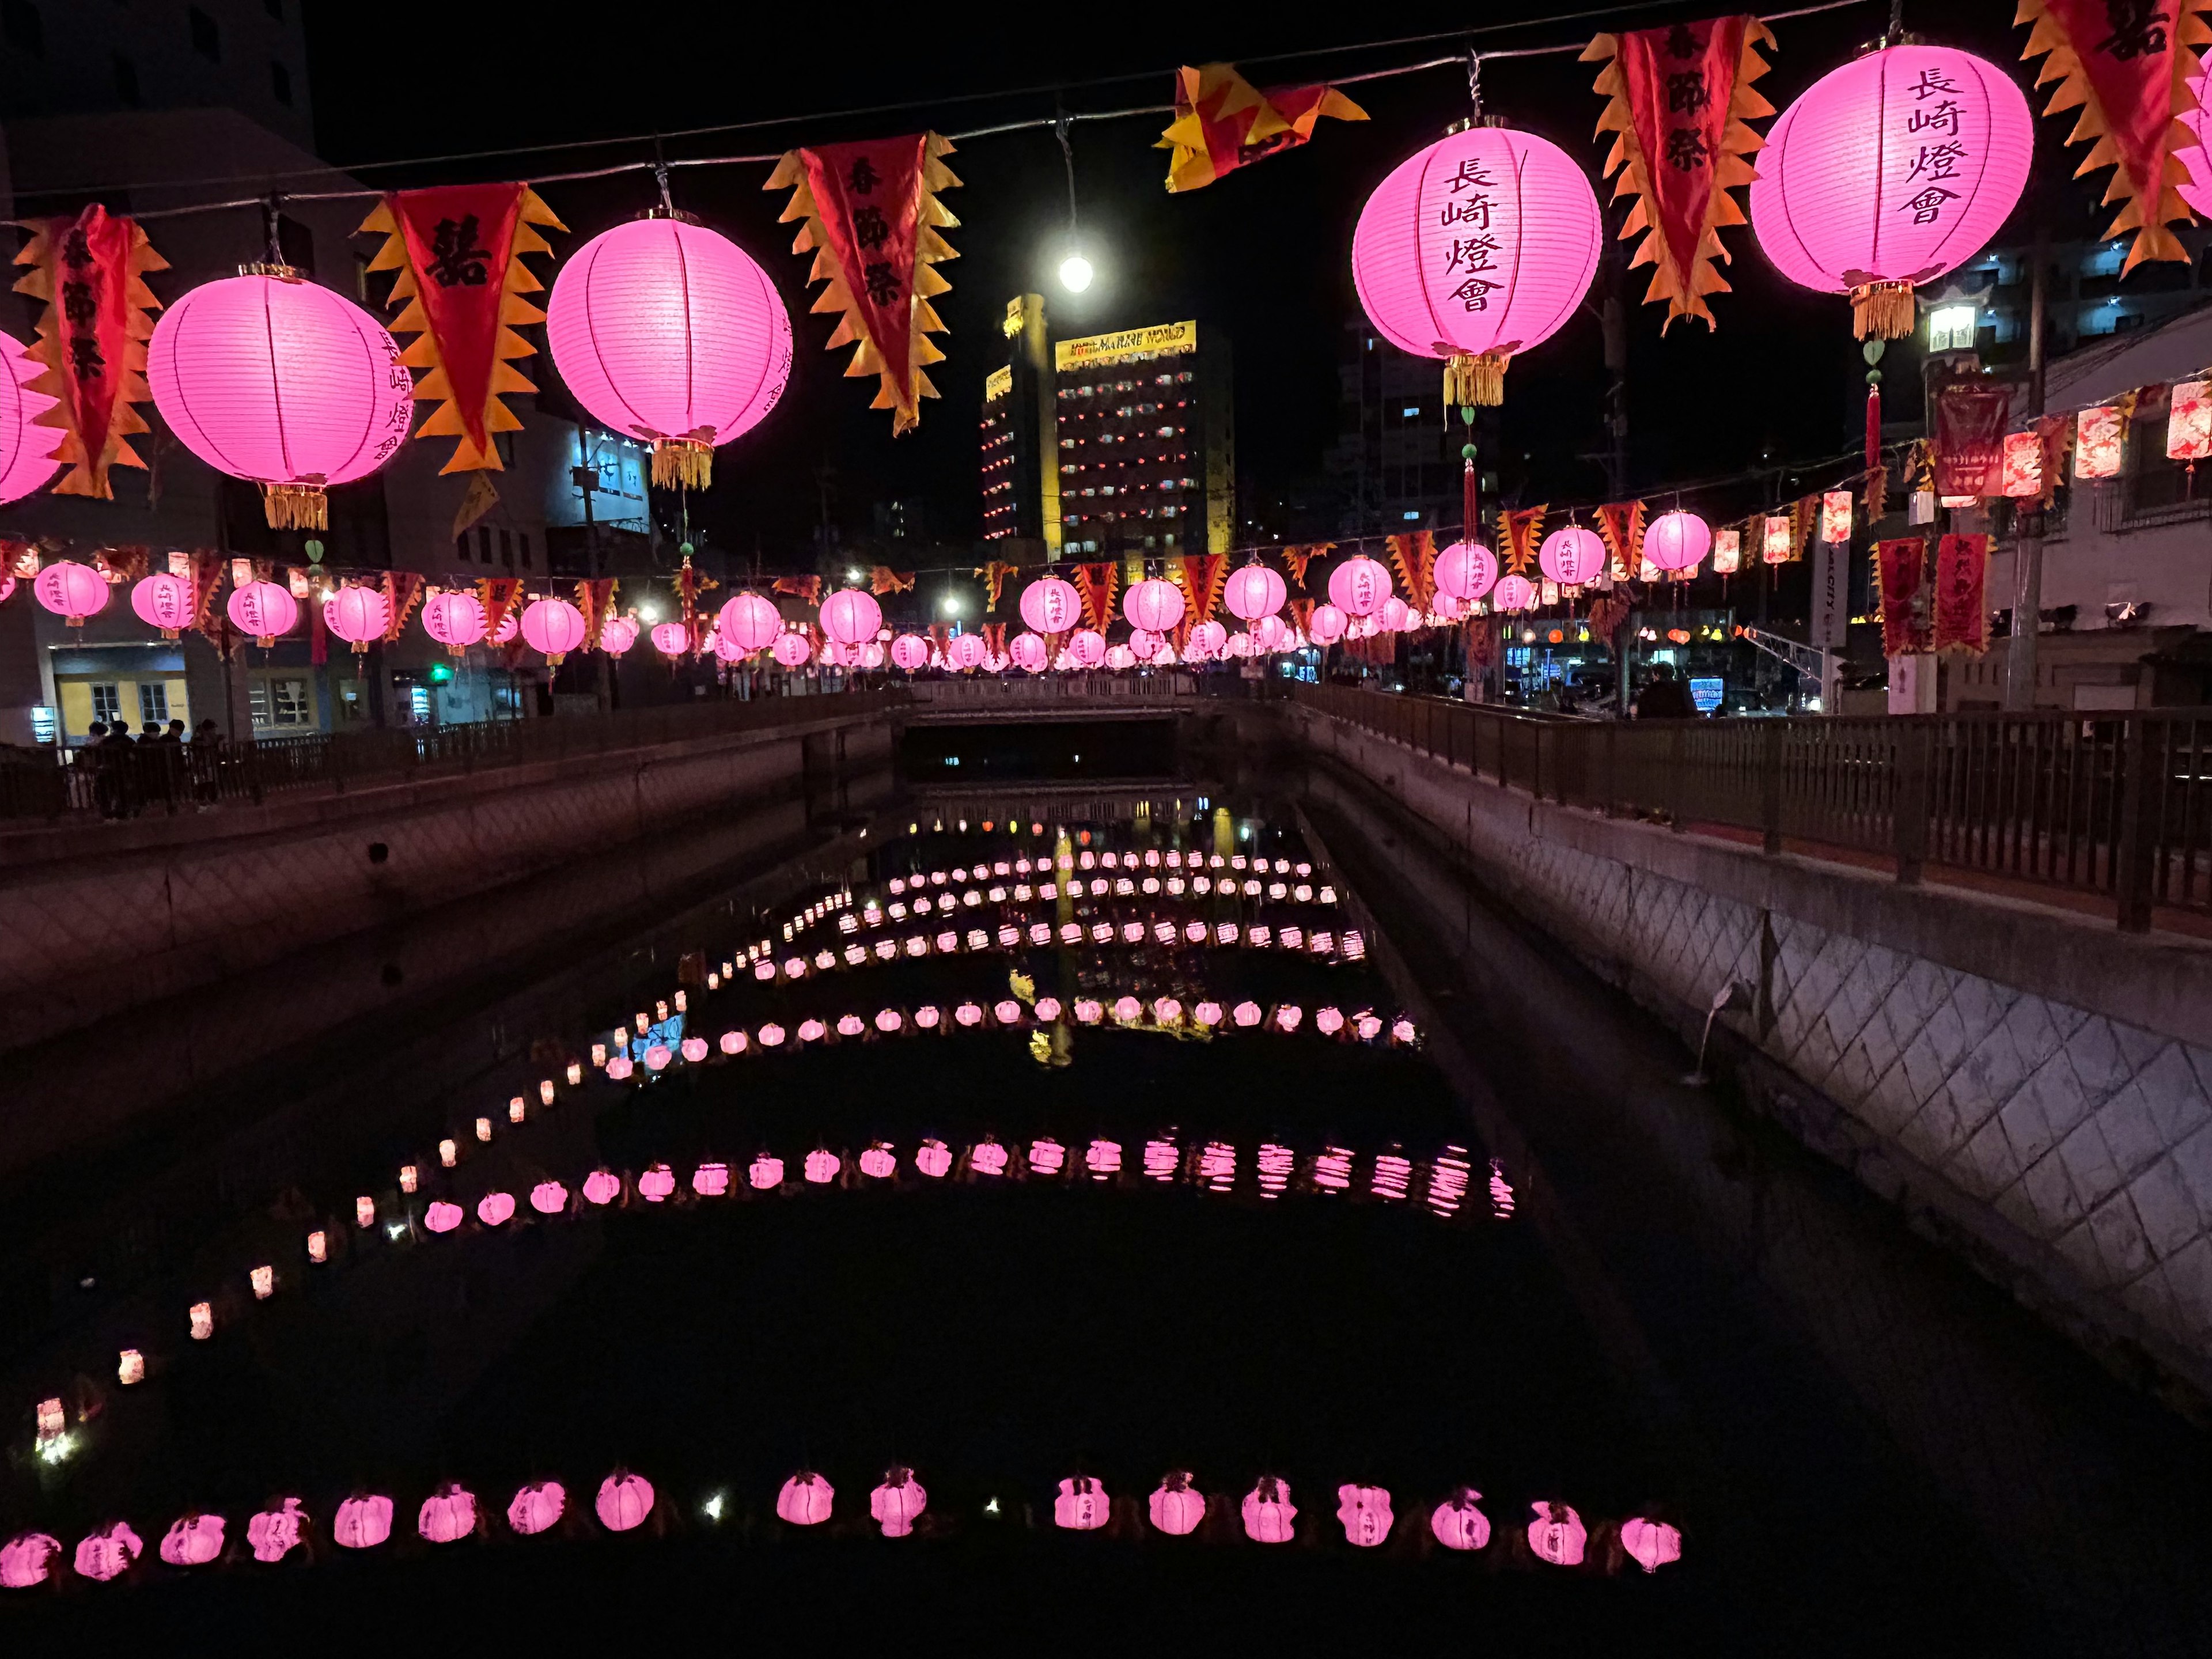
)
(1075, 273)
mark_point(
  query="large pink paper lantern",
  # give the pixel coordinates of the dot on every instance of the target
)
(671, 639)
(1050, 605)
(617, 636)
(910, 652)
(966, 651)
(1205, 640)
(26, 449)
(454, 619)
(1326, 625)
(553, 627)
(1086, 647)
(163, 601)
(71, 591)
(357, 615)
(284, 381)
(668, 331)
(851, 617)
(262, 610)
(1359, 586)
(1475, 249)
(1677, 541)
(1572, 556)
(750, 622)
(1466, 570)
(1153, 605)
(1254, 592)
(1888, 171)
(1514, 594)
(1028, 652)
(791, 650)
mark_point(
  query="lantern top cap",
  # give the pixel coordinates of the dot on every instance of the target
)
(282, 273)
(664, 211)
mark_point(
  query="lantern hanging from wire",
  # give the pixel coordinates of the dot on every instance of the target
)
(1358, 586)
(1254, 592)
(357, 615)
(1677, 541)
(1050, 605)
(851, 617)
(750, 622)
(553, 627)
(262, 610)
(27, 448)
(453, 619)
(1572, 556)
(164, 601)
(671, 639)
(71, 591)
(269, 377)
(910, 652)
(1153, 604)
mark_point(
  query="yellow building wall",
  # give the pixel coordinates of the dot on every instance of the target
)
(75, 691)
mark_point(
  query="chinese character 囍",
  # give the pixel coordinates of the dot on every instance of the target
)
(2138, 30)
(456, 258)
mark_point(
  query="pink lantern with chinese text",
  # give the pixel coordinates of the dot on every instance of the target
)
(538, 1507)
(1027, 651)
(1556, 1534)
(27, 448)
(668, 331)
(806, 1499)
(910, 652)
(262, 610)
(1514, 594)
(165, 602)
(617, 636)
(192, 1541)
(1205, 640)
(1457, 1524)
(495, 1209)
(1082, 1506)
(1677, 541)
(272, 1534)
(71, 591)
(24, 1560)
(1050, 605)
(1475, 249)
(108, 1553)
(671, 639)
(1086, 647)
(1572, 556)
(363, 1521)
(1152, 604)
(1359, 586)
(357, 615)
(552, 628)
(447, 1516)
(549, 1197)
(851, 617)
(966, 652)
(1144, 646)
(284, 381)
(1466, 570)
(791, 650)
(1364, 1512)
(1254, 592)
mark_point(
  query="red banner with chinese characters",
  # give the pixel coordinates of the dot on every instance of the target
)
(1971, 417)
(1094, 586)
(458, 250)
(1962, 616)
(1203, 576)
(91, 272)
(872, 223)
(592, 598)
(2127, 66)
(1900, 569)
(1415, 557)
(1620, 527)
(1222, 122)
(497, 595)
(1678, 102)
(403, 590)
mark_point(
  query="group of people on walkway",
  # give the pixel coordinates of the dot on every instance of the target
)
(157, 767)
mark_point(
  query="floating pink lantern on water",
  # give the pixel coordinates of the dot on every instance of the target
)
(1269, 1516)
(27, 448)
(897, 1504)
(1677, 541)
(71, 591)
(193, 1540)
(359, 616)
(1028, 652)
(282, 381)
(164, 601)
(1651, 1544)
(553, 627)
(363, 1521)
(806, 1499)
(1326, 625)
(1457, 1524)
(668, 331)
(624, 1501)
(671, 639)
(1082, 1506)
(1050, 605)
(1474, 250)
(851, 617)
(617, 636)
(1358, 586)
(791, 650)
(1153, 604)
(910, 652)
(1572, 556)
(538, 1507)
(453, 619)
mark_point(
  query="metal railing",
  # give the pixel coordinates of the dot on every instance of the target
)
(991, 692)
(134, 780)
(2119, 805)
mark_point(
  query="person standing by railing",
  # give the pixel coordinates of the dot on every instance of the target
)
(205, 763)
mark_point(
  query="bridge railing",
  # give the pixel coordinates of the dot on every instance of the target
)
(991, 692)
(129, 781)
(2117, 806)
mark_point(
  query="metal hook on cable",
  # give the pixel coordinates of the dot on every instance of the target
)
(1474, 81)
(1062, 122)
(271, 226)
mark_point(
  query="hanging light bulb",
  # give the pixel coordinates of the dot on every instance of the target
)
(1075, 273)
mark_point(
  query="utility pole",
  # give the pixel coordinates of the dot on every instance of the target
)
(2028, 544)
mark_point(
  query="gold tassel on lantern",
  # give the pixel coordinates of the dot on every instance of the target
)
(295, 506)
(1883, 310)
(1476, 378)
(688, 462)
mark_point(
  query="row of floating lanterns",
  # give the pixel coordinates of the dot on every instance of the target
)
(1555, 1532)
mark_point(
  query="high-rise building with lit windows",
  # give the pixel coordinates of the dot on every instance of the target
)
(1017, 439)
(1147, 445)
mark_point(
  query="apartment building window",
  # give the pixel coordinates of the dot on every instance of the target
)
(22, 28)
(522, 546)
(153, 703)
(279, 702)
(107, 703)
(207, 38)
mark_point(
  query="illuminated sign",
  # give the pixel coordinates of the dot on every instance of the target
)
(1160, 339)
(998, 383)
(1705, 693)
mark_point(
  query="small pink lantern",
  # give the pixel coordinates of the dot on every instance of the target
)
(658, 1184)
(447, 1516)
(1082, 1506)
(442, 1217)
(879, 1162)
(282, 382)
(1677, 541)
(1271, 634)
(750, 622)
(1176, 1506)
(509, 625)
(1358, 586)
(1269, 1516)
(821, 1167)
(1556, 1534)
(1474, 250)
(1572, 556)
(727, 649)
(1364, 1512)
(1028, 652)
(1050, 605)
(192, 1541)
(25, 1559)
(1142, 645)
(262, 610)
(27, 448)
(910, 652)
(671, 639)
(495, 1209)
(933, 1158)
(966, 652)
(1254, 592)
(617, 636)
(1119, 657)
(851, 617)
(624, 1501)
(602, 1187)
(71, 591)
(1153, 604)
(897, 1504)
(165, 602)
(765, 1173)
(668, 331)
(272, 1534)
(1205, 640)
(1849, 198)
(1457, 1524)
(553, 627)
(806, 1499)
(791, 650)
(1466, 571)
(363, 1521)
(1086, 647)
(1390, 619)
(1326, 625)
(549, 1197)
(108, 1553)
(1514, 594)
(357, 615)
(538, 1507)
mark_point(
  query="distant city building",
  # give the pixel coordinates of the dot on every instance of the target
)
(1393, 465)
(1019, 437)
(1148, 444)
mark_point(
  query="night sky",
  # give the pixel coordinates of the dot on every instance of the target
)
(1263, 254)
